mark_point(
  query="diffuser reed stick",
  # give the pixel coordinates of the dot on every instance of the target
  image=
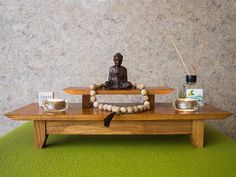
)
(181, 58)
(198, 58)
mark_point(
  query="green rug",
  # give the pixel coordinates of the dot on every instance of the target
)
(111, 156)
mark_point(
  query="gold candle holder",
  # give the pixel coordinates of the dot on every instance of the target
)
(55, 105)
(185, 104)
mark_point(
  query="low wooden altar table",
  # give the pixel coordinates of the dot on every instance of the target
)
(84, 120)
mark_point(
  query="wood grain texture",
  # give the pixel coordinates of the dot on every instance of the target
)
(198, 133)
(119, 127)
(86, 90)
(40, 135)
(162, 111)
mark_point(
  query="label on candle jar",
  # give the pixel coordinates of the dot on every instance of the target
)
(45, 96)
(196, 94)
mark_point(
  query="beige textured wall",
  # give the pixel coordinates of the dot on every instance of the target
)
(51, 44)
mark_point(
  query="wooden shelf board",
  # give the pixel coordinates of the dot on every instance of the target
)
(161, 111)
(86, 90)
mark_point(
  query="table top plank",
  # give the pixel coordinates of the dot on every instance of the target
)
(86, 90)
(162, 111)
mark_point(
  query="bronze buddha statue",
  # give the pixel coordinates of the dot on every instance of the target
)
(118, 75)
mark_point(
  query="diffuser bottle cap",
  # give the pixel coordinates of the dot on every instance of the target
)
(191, 78)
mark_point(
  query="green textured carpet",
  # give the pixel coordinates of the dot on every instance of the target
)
(112, 156)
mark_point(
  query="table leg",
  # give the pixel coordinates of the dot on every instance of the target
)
(198, 133)
(86, 101)
(152, 101)
(40, 135)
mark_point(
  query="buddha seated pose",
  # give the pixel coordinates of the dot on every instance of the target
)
(118, 75)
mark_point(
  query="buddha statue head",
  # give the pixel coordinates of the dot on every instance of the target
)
(118, 59)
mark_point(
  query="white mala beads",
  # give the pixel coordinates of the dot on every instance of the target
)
(116, 109)
(135, 109)
(100, 106)
(123, 110)
(130, 110)
(140, 108)
(93, 87)
(144, 92)
(105, 107)
(92, 93)
(95, 104)
(120, 110)
(109, 108)
(93, 99)
(145, 98)
(139, 86)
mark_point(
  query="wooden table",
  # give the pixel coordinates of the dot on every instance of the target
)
(163, 119)
(84, 120)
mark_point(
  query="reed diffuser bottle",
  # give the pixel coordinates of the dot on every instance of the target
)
(191, 83)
